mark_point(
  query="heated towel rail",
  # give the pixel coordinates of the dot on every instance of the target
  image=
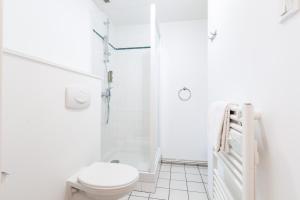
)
(234, 171)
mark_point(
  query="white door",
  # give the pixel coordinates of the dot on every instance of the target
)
(1, 51)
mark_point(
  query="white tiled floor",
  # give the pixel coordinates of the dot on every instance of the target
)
(177, 182)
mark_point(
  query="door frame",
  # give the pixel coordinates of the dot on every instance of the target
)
(1, 74)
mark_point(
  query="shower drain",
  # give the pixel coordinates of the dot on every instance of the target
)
(115, 161)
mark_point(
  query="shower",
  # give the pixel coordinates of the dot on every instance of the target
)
(130, 71)
(107, 93)
(109, 74)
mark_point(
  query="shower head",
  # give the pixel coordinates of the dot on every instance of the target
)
(106, 1)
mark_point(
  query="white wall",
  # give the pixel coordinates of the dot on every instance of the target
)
(132, 35)
(256, 59)
(43, 142)
(56, 30)
(183, 64)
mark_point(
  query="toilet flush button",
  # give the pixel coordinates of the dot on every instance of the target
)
(77, 98)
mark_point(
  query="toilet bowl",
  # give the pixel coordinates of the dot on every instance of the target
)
(105, 181)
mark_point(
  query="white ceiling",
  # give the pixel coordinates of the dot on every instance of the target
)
(138, 11)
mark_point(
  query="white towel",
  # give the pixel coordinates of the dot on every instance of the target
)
(217, 118)
(219, 122)
(215, 124)
(222, 142)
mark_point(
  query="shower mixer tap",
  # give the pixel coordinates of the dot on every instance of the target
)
(107, 93)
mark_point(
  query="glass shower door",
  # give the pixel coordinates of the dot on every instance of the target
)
(130, 137)
(154, 89)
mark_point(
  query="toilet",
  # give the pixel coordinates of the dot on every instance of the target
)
(103, 181)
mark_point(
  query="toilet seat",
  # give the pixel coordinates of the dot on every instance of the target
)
(108, 176)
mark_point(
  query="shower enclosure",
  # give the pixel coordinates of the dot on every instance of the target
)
(130, 93)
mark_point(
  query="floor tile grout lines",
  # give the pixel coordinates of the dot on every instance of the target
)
(203, 183)
(187, 188)
(171, 165)
(169, 169)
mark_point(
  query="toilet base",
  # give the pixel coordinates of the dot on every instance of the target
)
(83, 196)
(77, 194)
(75, 191)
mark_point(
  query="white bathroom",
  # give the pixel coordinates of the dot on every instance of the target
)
(149, 100)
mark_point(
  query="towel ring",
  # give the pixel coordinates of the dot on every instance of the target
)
(184, 94)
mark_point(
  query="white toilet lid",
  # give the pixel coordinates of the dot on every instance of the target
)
(108, 175)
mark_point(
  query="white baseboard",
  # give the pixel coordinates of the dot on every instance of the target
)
(186, 162)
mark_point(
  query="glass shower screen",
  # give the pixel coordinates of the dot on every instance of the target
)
(130, 137)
